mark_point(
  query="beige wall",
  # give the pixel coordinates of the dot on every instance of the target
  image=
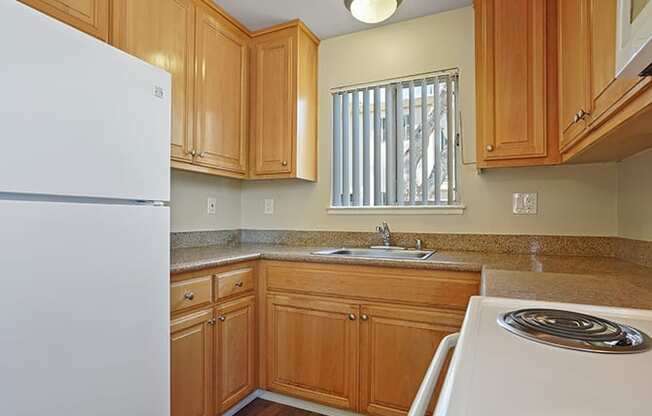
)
(188, 202)
(635, 197)
(573, 200)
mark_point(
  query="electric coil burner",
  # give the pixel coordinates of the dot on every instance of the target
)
(575, 331)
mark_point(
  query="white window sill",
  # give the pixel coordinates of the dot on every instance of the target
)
(399, 210)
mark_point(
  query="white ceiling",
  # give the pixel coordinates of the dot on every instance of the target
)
(327, 18)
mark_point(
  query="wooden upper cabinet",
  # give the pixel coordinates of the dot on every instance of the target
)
(512, 70)
(90, 16)
(161, 32)
(312, 349)
(221, 94)
(235, 361)
(191, 340)
(606, 90)
(284, 103)
(273, 105)
(574, 70)
(603, 118)
(397, 346)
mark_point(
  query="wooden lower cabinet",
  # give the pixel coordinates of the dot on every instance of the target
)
(191, 349)
(235, 352)
(312, 349)
(396, 347)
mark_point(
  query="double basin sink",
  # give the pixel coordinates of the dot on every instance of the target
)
(377, 253)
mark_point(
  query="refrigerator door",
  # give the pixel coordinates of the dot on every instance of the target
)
(84, 319)
(79, 117)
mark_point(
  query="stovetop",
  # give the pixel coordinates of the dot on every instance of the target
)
(497, 373)
(574, 330)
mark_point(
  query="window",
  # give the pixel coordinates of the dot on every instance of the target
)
(396, 143)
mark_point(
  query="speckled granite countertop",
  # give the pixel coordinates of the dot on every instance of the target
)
(592, 280)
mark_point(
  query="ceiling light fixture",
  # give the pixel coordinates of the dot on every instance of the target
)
(372, 11)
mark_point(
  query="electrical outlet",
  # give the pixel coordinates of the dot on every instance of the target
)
(525, 203)
(210, 206)
(269, 206)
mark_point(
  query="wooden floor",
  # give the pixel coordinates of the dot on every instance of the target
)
(260, 407)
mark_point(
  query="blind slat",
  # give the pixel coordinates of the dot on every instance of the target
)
(377, 142)
(346, 162)
(355, 114)
(450, 136)
(366, 149)
(438, 150)
(390, 146)
(337, 151)
(400, 153)
(413, 147)
(425, 137)
(456, 138)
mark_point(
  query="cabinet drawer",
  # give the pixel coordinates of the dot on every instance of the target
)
(189, 293)
(234, 282)
(423, 287)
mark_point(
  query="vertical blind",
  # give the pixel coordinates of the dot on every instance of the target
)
(397, 143)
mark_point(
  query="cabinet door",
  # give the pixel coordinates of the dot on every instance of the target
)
(606, 90)
(512, 65)
(574, 70)
(235, 352)
(397, 346)
(90, 16)
(161, 32)
(273, 102)
(312, 349)
(191, 363)
(220, 93)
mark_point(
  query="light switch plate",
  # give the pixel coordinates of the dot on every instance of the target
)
(211, 204)
(269, 206)
(525, 203)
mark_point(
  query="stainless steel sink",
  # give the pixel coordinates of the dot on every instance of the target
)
(377, 253)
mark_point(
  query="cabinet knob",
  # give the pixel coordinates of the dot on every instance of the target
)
(211, 322)
(221, 318)
(364, 317)
(284, 163)
(193, 153)
(202, 154)
(351, 317)
(239, 284)
(189, 295)
(490, 148)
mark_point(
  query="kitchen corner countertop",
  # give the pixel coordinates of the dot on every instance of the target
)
(573, 279)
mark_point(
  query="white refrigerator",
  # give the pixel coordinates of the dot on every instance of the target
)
(84, 224)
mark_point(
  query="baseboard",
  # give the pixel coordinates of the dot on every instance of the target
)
(242, 403)
(303, 404)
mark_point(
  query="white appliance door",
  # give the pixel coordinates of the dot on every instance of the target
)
(78, 117)
(84, 316)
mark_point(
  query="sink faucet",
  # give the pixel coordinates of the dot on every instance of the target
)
(386, 233)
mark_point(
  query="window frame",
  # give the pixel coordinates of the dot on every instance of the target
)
(452, 77)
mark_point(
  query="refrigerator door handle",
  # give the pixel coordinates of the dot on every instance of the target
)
(427, 388)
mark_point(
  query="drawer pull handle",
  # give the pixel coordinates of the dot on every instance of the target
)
(364, 317)
(189, 295)
(239, 284)
(221, 318)
(351, 317)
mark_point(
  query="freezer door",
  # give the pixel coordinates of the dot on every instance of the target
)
(84, 319)
(77, 116)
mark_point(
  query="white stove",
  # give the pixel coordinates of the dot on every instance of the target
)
(529, 358)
